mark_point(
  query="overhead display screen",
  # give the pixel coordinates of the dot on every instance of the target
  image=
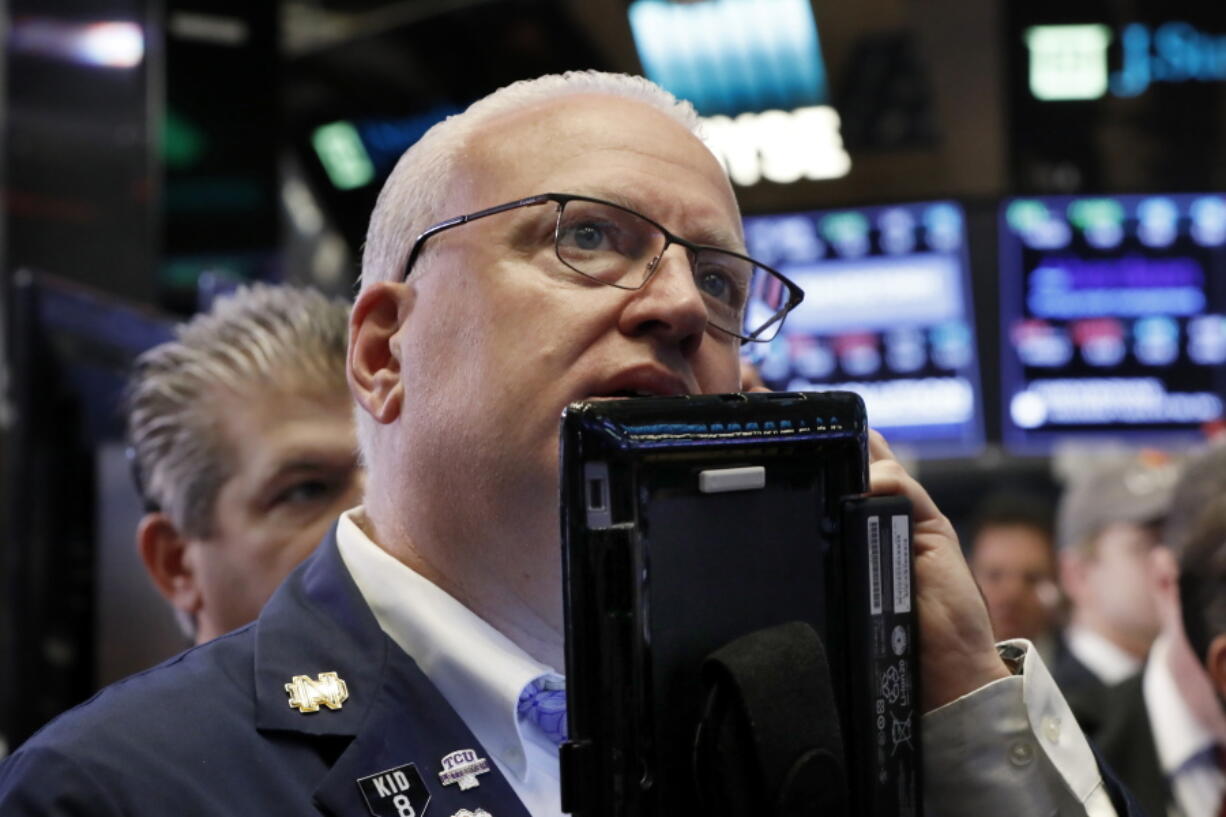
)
(1113, 315)
(887, 314)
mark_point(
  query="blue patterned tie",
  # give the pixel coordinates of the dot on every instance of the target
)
(543, 704)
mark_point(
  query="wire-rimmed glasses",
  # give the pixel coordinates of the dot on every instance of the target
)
(616, 246)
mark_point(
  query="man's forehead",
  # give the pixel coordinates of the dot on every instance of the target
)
(282, 406)
(608, 147)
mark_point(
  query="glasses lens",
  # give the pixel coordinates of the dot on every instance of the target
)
(619, 248)
(725, 281)
(611, 245)
(769, 299)
(743, 297)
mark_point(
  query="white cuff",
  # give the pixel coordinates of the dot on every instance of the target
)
(1011, 747)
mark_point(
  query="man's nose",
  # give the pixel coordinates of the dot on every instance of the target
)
(669, 306)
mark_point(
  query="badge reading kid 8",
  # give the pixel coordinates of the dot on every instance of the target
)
(398, 792)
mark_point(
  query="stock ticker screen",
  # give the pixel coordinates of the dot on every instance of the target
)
(887, 314)
(1113, 316)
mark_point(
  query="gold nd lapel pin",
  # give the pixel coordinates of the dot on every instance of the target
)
(327, 689)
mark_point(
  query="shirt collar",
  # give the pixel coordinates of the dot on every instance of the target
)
(1103, 658)
(477, 669)
(1178, 736)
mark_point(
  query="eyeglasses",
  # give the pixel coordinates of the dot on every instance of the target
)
(616, 246)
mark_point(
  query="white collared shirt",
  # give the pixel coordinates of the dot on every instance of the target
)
(1011, 748)
(477, 669)
(1185, 747)
(983, 753)
(1103, 658)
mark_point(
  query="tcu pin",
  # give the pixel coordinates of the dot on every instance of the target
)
(398, 792)
(462, 767)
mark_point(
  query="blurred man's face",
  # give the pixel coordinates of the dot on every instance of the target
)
(502, 336)
(1118, 582)
(295, 472)
(1014, 568)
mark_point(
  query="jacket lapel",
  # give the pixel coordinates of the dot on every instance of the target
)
(421, 733)
(317, 622)
(1127, 742)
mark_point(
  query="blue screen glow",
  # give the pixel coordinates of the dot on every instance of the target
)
(1113, 317)
(732, 56)
(887, 314)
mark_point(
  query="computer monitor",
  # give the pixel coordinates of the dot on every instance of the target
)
(1113, 317)
(75, 608)
(887, 314)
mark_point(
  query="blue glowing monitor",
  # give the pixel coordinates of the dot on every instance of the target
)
(1113, 317)
(732, 56)
(887, 314)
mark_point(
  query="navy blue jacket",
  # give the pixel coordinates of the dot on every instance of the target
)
(211, 731)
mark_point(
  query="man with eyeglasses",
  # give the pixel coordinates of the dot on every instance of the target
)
(565, 238)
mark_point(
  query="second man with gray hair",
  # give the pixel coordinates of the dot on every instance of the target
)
(241, 433)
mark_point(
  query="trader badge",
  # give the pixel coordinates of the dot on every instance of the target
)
(462, 767)
(398, 792)
(327, 689)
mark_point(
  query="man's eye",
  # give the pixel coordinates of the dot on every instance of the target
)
(588, 237)
(715, 284)
(304, 492)
(721, 283)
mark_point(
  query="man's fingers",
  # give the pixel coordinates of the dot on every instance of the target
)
(878, 448)
(887, 478)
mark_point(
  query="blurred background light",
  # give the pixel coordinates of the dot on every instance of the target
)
(343, 156)
(732, 56)
(111, 44)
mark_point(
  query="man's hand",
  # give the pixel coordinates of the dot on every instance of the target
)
(957, 651)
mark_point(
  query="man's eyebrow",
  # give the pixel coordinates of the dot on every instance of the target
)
(715, 237)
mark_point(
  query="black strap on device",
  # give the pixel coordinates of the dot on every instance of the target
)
(768, 743)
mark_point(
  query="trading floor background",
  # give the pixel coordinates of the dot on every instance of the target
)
(1010, 218)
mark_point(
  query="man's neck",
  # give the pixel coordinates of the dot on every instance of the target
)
(510, 598)
(1103, 657)
(1193, 682)
(1123, 640)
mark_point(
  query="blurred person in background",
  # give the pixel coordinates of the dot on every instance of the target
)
(1012, 556)
(1108, 525)
(1164, 730)
(241, 434)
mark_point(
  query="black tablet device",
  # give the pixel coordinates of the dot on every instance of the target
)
(691, 522)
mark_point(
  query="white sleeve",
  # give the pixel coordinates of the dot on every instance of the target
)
(1011, 748)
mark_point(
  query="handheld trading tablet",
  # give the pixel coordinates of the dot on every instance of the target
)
(716, 550)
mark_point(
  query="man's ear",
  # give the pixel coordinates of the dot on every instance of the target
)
(1071, 565)
(1216, 664)
(163, 550)
(1164, 573)
(373, 366)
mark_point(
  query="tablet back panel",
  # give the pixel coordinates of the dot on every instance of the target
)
(687, 523)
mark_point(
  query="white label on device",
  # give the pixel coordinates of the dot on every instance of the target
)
(902, 563)
(874, 565)
(722, 480)
(596, 495)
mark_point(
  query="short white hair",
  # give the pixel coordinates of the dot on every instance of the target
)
(414, 193)
(262, 337)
